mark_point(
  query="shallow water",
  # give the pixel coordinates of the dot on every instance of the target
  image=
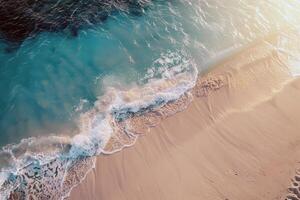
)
(52, 79)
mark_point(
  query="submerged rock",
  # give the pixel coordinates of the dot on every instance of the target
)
(20, 19)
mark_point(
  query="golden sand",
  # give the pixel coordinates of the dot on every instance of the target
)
(237, 139)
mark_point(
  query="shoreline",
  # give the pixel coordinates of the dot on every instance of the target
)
(225, 98)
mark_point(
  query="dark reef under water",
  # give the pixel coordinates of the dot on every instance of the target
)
(21, 19)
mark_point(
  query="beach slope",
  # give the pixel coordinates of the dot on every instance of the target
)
(239, 139)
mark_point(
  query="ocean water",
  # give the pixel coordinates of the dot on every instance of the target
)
(59, 88)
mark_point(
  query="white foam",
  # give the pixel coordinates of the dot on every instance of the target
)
(167, 81)
(170, 77)
(93, 139)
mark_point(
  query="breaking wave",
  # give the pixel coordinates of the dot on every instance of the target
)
(51, 166)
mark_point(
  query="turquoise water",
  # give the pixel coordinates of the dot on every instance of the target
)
(44, 80)
(50, 80)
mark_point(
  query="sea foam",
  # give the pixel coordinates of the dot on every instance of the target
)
(52, 166)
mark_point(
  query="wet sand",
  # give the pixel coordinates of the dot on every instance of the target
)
(239, 139)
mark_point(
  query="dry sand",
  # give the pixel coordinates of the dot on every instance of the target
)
(239, 139)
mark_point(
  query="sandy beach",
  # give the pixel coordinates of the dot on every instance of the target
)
(239, 139)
